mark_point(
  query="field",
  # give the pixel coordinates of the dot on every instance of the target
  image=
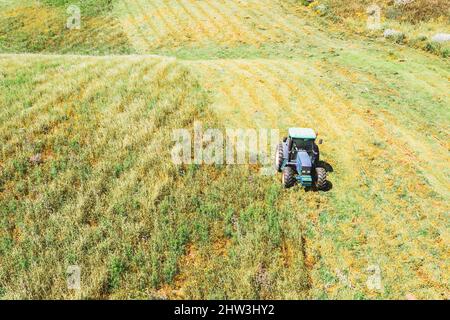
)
(86, 177)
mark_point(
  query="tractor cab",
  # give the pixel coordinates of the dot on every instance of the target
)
(300, 139)
(298, 158)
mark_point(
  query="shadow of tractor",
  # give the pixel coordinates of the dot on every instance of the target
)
(328, 168)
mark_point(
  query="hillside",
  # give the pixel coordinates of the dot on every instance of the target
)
(86, 176)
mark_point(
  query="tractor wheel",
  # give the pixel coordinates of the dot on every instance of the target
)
(278, 157)
(321, 178)
(288, 177)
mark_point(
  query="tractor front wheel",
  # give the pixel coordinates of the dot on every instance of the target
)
(278, 157)
(288, 178)
(321, 178)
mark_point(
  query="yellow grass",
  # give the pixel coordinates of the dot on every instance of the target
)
(173, 23)
(107, 197)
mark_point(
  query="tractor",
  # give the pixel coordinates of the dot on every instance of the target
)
(297, 157)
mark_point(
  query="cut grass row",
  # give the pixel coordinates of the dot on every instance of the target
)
(174, 24)
(388, 169)
(105, 195)
(417, 21)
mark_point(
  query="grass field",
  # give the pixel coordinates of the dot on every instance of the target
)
(86, 176)
(417, 21)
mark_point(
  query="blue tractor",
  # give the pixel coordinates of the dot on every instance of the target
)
(297, 157)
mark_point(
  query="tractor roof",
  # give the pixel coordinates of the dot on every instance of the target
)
(302, 133)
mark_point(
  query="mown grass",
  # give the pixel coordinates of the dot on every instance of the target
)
(43, 29)
(388, 217)
(106, 196)
(80, 184)
(385, 126)
(86, 177)
(418, 21)
(412, 11)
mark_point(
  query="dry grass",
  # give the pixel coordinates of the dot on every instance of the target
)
(381, 197)
(413, 11)
(425, 10)
(71, 122)
(418, 21)
(42, 29)
(106, 196)
(86, 176)
(153, 25)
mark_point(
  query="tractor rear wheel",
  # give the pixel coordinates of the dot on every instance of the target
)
(278, 157)
(321, 178)
(288, 177)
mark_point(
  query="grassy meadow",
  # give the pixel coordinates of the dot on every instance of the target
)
(86, 177)
(33, 27)
(417, 21)
(106, 196)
